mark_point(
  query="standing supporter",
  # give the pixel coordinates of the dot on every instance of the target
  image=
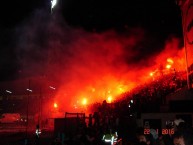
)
(141, 137)
(182, 138)
(96, 119)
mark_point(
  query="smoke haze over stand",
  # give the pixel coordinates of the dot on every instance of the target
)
(87, 64)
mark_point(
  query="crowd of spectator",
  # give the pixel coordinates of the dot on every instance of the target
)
(149, 97)
(119, 117)
(93, 134)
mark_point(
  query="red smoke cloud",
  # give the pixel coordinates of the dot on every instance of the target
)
(92, 67)
(97, 69)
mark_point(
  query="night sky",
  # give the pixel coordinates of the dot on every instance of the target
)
(160, 20)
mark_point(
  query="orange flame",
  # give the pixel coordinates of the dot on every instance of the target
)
(55, 105)
(109, 99)
(84, 101)
(169, 60)
(168, 66)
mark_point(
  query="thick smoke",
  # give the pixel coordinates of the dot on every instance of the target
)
(87, 64)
